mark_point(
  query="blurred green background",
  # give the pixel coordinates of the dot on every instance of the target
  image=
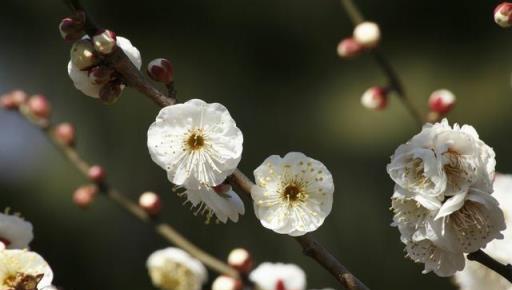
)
(273, 63)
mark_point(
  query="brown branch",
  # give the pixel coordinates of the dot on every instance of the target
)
(394, 81)
(163, 229)
(310, 246)
(486, 260)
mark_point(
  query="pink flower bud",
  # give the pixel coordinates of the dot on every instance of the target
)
(375, 98)
(150, 202)
(84, 195)
(12, 100)
(226, 283)
(104, 42)
(161, 70)
(367, 34)
(71, 29)
(111, 91)
(100, 75)
(503, 14)
(348, 48)
(39, 106)
(441, 101)
(241, 260)
(83, 55)
(65, 133)
(96, 173)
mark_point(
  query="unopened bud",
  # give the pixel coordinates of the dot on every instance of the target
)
(100, 75)
(241, 260)
(441, 101)
(104, 42)
(503, 14)
(150, 202)
(12, 100)
(39, 106)
(161, 70)
(71, 28)
(111, 91)
(367, 34)
(226, 283)
(83, 55)
(84, 195)
(65, 133)
(96, 173)
(375, 98)
(348, 48)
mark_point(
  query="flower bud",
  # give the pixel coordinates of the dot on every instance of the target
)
(348, 48)
(441, 101)
(111, 92)
(367, 34)
(71, 29)
(375, 98)
(65, 133)
(241, 260)
(161, 70)
(39, 106)
(104, 42)
(12, 100)
(100, 75)
(226, 283)
(503, 14)
(96, 173)
(150, 202)
(83, 55)
(84, 195)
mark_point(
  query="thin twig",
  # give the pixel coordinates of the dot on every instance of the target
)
(163, 229)
(486, 260)
(393, 80)
(321, 254)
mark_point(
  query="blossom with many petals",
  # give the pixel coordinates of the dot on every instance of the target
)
(81, 78)
(442, 203)
(278, 276)
(22, 269)
(293, 194)
(15, 232)
(174, 269)
(477, 277)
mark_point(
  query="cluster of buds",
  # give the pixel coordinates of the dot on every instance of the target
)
(366, 36)
(503, 14)
(37, 105)
(375, 98)
(241, 260)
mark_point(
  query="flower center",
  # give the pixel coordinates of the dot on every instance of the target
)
(175, 276)
(293, 192)
(22, 281)
(195, 140)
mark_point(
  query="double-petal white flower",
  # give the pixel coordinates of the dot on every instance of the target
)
(199, 145)
(442, 202)
(293, 194)
(22, 269)
(174, 269)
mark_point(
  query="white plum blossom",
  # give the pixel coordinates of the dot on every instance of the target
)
(278, 276)
(442, 203)
(197, 143)
(293, 194)
(22, 269)
(477, 277)
(174, 269)
(81, 78)
(15, 232)
(209, 202)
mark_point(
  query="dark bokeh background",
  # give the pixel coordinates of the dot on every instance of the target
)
(273, 63)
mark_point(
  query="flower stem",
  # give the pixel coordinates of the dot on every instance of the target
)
(486, 260)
